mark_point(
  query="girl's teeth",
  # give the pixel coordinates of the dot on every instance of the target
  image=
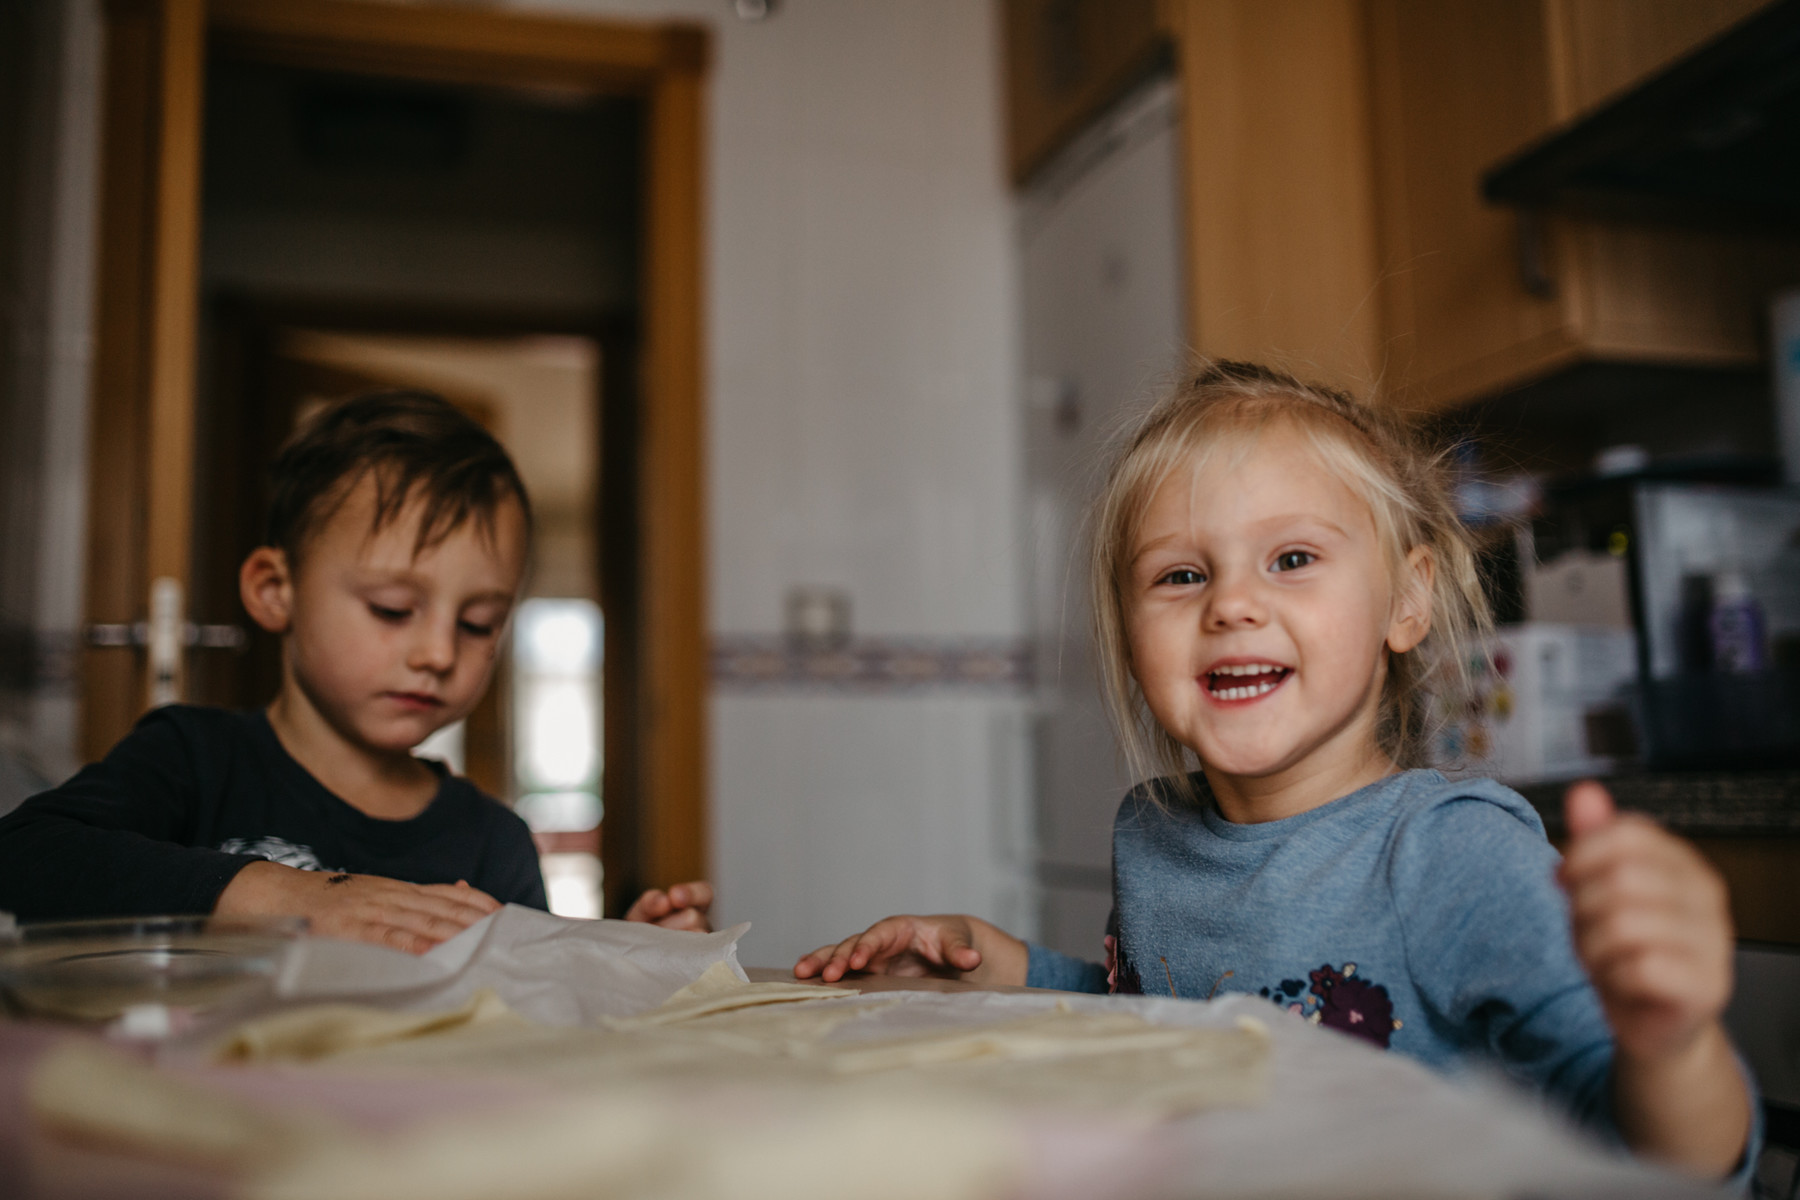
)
(1245, 693)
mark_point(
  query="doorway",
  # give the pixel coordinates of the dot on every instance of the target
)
(501, 209)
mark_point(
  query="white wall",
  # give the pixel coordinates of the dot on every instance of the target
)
(864, 434)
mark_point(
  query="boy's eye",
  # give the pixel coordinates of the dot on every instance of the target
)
(384, 613)
(1183, 577)
(1293, 560)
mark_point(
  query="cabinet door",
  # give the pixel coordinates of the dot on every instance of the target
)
(1603, 47)
(1065, 61)
(1652, 292)
(1480, 298)
(1281, 252)
(140, 508)
(1457, 84)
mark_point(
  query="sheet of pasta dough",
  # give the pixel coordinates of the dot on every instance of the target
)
(719, 990)
(646, 1144)
(1090, 1061)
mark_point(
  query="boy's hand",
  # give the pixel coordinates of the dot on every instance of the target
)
(683, 906)
(949, 946)
(1652, 924)
(363, 908)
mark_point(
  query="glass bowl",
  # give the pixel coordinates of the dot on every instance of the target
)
(98, 971)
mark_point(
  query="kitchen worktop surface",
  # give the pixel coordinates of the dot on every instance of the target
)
(1697, 803)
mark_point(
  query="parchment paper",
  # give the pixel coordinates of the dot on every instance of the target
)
(551, 970)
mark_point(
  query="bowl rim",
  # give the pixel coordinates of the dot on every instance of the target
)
(153, 927)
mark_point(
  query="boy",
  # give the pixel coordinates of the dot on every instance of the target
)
(397, 541)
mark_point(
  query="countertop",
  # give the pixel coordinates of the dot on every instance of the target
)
(1698, 803)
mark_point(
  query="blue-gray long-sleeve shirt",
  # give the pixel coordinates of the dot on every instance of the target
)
(1418, 913)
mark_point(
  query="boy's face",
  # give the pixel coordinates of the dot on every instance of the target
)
(388, 646)
(1261, 612)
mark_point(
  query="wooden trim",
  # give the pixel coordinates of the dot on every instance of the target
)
(174, 293)
(673, 768)
(619, 562)
(457, 45)
(141, 433)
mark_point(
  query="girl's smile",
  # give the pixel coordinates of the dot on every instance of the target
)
(1242, 682)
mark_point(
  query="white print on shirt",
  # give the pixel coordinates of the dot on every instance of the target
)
(276, 850)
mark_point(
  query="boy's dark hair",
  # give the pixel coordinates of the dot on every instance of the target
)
(413, 443)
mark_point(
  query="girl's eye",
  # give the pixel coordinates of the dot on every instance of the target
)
(474, 629)
(390, 615)
(1293, 560)
(1183, 577)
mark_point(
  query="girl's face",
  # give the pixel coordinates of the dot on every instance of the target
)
(1260, 609)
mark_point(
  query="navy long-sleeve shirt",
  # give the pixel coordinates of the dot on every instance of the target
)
(165, 821)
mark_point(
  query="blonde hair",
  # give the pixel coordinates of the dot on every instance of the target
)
(1380, 458)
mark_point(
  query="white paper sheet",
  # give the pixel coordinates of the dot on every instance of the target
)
(552, 970)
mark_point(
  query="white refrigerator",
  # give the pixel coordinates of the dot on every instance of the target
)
(1104, 335)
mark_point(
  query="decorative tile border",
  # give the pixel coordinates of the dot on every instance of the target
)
(32, 658)
(757, 663)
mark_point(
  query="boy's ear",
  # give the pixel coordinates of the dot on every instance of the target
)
(1412, 602)
(266, 586)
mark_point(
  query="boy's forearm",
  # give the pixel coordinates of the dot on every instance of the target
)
(1690, 1110)
(261, 889)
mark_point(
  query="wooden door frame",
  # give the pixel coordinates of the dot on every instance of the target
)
(140, 459)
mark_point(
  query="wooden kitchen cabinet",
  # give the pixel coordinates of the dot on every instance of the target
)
(1759, 874)
(1066, 60)
(1333, 158)
(1477, 299)
(1281, 251)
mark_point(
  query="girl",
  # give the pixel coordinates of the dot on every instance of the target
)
(1283, 592)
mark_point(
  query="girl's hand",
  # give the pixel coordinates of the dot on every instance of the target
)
(361, 908)
(683, 906)
(946, 947)
(1652, 925)
(1653, 928)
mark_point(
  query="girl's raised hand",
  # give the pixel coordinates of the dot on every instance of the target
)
(1651, 921)
(949, 946)
(1652, 926)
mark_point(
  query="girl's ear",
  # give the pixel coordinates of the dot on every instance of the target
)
(1412, 601)
(266, 586)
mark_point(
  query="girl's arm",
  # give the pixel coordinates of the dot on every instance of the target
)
(1653, 928)
(952, 945)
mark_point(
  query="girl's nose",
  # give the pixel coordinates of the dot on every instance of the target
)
(1234, 602)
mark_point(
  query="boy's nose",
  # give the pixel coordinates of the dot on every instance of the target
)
(434, 649)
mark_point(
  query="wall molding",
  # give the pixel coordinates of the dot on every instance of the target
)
(35, 659)
(769, 663)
